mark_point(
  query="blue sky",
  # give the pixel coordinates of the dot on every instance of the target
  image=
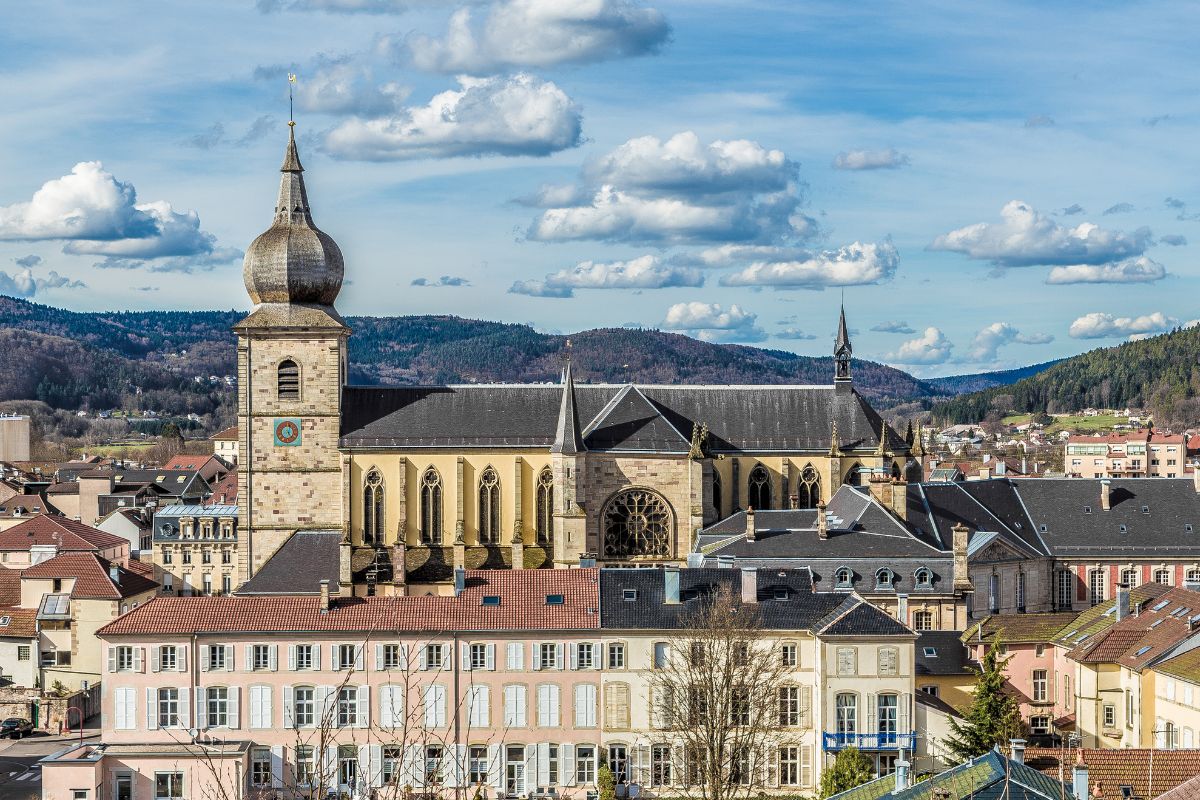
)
(988, 185)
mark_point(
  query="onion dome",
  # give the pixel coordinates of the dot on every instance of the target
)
(293, 261)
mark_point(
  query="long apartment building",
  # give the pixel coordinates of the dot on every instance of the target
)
(521, 683)
(1141, 454)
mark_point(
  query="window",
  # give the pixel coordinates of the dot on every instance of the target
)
(994, 593)
(1193, 574)
(930, 689)
(544, 522)
(889, 661)
(1162, 576)
(514, 655)
(289, 380)
(168, 555)
(629, 595)
(843, 578)
(618, 762)
(883, 579)
(260, 657)
(1110, 715)
(662, 654)
(349, 656)
(584, 655)
(1039, 724)
(490, 600)
(226, 557)
(548, 706)
(585, 705)
(846, 713)
(616, 655)
(585, 764)
(433, 656)
(477, 764)
(790, 654)
(789, 706)
(847, 661)
(431, 507)
(1040, 685)
(304, 706)
(716, 493)
(887, 709)
(304, 656)
(924, 578)
(226, 584)
(660, 765)
(1021, 591)
(306, 765)
(923, 620)
(489, 507)
(168, 786)
(22, 652)
(478, 656)
(616, 706)
(373, 515)
(389, 770)
(347, 765)
(808, 490)
(636, 522)
(555, 599)
(218, 707)
(548, 657)
(125, 659)
(206, 556)
(758, 495)
(739, 706)
(435, 706)
(168, 708)
(207, 584)
(1096, 586)
(217, 658)
(789, 766)
(1129, 577)
(514, 706)
(514, 770)
(347, 707)
(1064, 585)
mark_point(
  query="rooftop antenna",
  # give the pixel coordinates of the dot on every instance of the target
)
(291, 114)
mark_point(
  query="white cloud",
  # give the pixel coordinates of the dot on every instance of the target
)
(793, 333)
(893, 327)
(713, 323)
(518, 34)
(1024, 237)
(932, 347)
(681, 191)
(852, 265)
(24, 284)
(989, 340)
(179, 234)
(644, 272)
(346, 87)
(1099, 325)
(510, 116)
(450, 281)
(334, 6)
(1132, 270)
(891, 158)
(1119, 208)
(28, 261)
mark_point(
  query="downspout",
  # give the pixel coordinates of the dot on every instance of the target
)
(249, 458)
(459, 766)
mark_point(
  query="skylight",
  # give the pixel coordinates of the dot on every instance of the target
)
(1160, 606)
(1124, 529)
(1156, 623)
(931, 652)
(1145, 509)
(1142, 651)
(629, 595)
(491, 599)
(1087, 509)
(555, 599)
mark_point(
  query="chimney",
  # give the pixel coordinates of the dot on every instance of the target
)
(962, 576)
(822, 522)
(1079, 782)
(325, 596)
(1105, 492)
(901, 777)
(671, 585)
(460, 580)
(749, 523)
(881, 488)
(1018, 750)
(587, 560)
(725, 562)
(985, 473)
(1122, 601)
(749, 584)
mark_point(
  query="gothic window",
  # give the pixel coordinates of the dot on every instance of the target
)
(373, 508)
(759, 496)
(716, 493)
(289, 380)
(808, 493)
(489, 507)
(895, 471)
(637, 523)
(431, 507)
(545, 507)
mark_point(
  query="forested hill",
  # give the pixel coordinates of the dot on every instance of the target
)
(954, 385)
(103, 359)
(1161, 374)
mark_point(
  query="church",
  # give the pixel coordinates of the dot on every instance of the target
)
(385, 490)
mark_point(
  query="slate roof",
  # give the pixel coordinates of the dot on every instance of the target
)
(298, 566)
(91, 574)
(1021, 628)
(1110, 769)
(1188, 790)
(523, 595)
(991, 776)
(615, 417)
(950, 656)
(67, 534)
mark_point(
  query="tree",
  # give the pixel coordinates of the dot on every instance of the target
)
(851, 768)
(720, 693)
(993, 717)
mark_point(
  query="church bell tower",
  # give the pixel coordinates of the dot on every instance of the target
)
(291, 368)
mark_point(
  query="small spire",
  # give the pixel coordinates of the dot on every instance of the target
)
(291, 159)
(835, 449)
(843, 336)
(567, 438)
(883, 438)
(918, 445)
(841, 352)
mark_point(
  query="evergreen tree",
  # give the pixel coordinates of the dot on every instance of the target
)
(993, 717)
(849, 769)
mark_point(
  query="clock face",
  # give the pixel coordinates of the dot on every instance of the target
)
(287, 432)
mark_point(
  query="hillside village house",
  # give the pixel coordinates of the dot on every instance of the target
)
(1141, 454)
(514, 683)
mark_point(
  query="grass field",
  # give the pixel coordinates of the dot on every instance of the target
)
(114, 449)
(1081, 424)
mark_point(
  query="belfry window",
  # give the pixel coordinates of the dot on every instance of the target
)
(431, 507)
(489, 507)
(759, 495)
(289, 380)
(544, 523)
(808, 493)
(373, 508)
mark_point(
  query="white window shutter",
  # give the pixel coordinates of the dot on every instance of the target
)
(441, 706)
(869, 716)
(495, 766)
(185, 708)
(273, 658)
(229, 658)
(490, 656)
(235, 711)
(466, 657)
(598, 655)
(403, 653)
(431, 706)
(447, 657)
(327, 702)
(378, 656)
(566, 764)
(459, 772)
(537, 655)
(316, 657)
(255, 702)
(201, 709)
(335, 657)
(139, 659)
(277, 767)
(531, 762)
(154, 659)
(181, 657)
(204, 659)
(375, 776)
(389, 704)
(424, 665)
(151, 708)
(289, 707)
(806, 776)
(112, 659)
(514, 656)
(363, 707)
(806, 706)
(248, 663)
(573, 654)
(558, 656)
(292, 657)
(360, 657)
(555, 706)
(268, 707)
(543, 712)
(543, 764)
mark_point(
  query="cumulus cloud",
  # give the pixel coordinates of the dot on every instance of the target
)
(345, 86)
(644, 272)
(1119, 208)
(178, 234)
(1072, 210)
(334, 6)
(452, 281)
(989, 340)
(1172, 239)
(1132, 270)
(25, 284)
(28, 261)
(891, 158)
(1099, 325)
(931, 347)
(852, 265)
(510, 116)
(1024, 237)
(518, 34)
(713, 323)
(682, 191)
(893, 327)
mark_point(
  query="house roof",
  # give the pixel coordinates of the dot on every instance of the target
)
(91, 574)
(1111, 769)
(298, 566)
(991, 776)
(225, 490)
(615, 417)
(66, 534)
(1145, 636)
(1020, 628)
(942, 653)
(1100, 617)
(186, 461)
(228, 434)
(523, 603)
(16, 622)
(1188, 790)
(10, 586)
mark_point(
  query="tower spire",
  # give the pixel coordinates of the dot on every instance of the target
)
(567, 437)
(842, 351)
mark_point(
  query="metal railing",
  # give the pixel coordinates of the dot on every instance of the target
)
(870, 741)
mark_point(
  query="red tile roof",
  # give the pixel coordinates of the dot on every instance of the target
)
(229, 434)
(522, 606)
(22, 622)
(1188, 790)
(224, 491)
(66, 533)
(1109, 770)
(10, 587)
(140, 568)
(1143, 637)
(92, 579)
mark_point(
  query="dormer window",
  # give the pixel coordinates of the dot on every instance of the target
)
(884, 578)
(843, 578)
(924, 578)
(781, 594)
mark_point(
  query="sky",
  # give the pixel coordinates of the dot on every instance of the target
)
(985, 185)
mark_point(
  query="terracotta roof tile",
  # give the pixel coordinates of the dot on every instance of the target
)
(68, 534)
(1143, 637)
(1109, 770)
(21, 622)
(185, 461)
(1018, 628)
(1188, 790)
(522, 594)
(229, 434)
(224, 491)
(10, 586)
(91, 574)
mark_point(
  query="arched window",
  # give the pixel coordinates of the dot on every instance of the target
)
(808, 493)
(1193, 575)
(431, 507)
(883, 578)
(373, 508)
(895, 471)
(843, 578)
(1162, 576)
(545, 507)
(759, 495)
(289, 380)
(887, 711)
(637, 522)
(854, 476)
(1129, 577)
(716, 493)
(923, 577)
(846, 704)
(489, 507)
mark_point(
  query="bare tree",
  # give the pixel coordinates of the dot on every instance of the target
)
(724, 694)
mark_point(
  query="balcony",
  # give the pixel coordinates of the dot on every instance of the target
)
(871, 741)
